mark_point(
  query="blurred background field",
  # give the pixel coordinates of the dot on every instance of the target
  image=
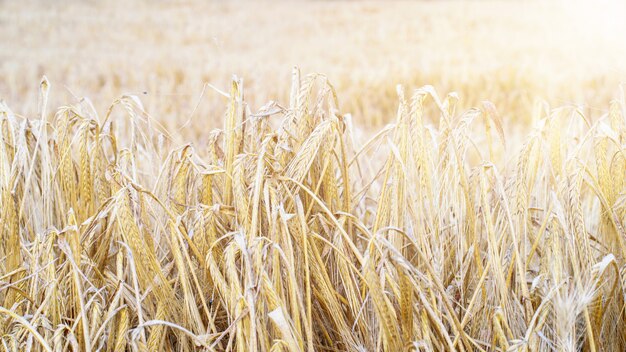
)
(513, 53)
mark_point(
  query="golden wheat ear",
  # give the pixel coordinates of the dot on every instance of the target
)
(429, 235)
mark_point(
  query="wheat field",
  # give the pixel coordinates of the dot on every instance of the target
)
(310, 214)
(513, 53)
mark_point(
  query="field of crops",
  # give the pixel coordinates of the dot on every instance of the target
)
(357, 210)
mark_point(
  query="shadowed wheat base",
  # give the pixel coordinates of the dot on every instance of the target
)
(293, 238)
